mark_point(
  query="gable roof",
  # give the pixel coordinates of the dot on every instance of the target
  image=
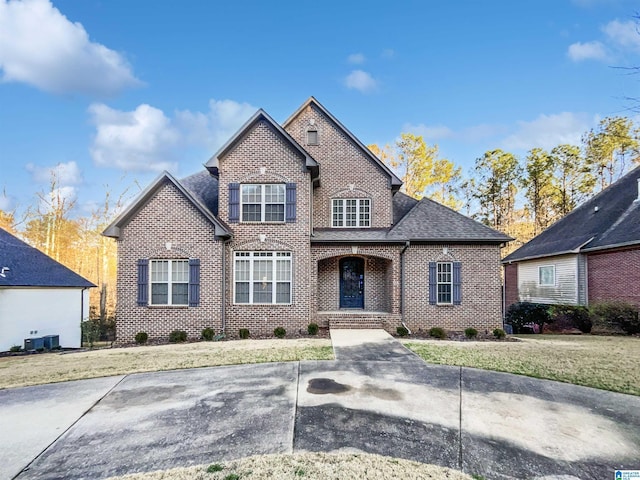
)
(29, 267)
(261, 115)
(396, 183)
(608, 220)
(202, 201)
(429, 220)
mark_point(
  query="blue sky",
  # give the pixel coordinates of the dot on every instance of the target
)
(111, 92)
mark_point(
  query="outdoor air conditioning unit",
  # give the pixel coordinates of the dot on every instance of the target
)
(33, 343)
(51, 341)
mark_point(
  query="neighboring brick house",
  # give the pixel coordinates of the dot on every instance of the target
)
(298, 223)
(591, 255)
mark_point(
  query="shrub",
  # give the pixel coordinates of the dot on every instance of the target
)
(616, 316)
(522, 314)
(178, 336)
(499, 333)
(565, 317)
(216, 467)
(208, 334)
(141, 338)
(437, 332)
(243, 333)
(279, 332)
(470, 332)
(313, 329)
(15, 348)
(402, 331)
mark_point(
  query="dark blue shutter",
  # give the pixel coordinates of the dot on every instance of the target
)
(143, 282)
(194, 282)
(291, 203)
(457, 283)
(234, 202)
(433, 285)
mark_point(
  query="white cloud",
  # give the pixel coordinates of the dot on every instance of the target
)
(587, 51)
(213, 128)
(356, 58)
(41, 47)
(623, 34)
(442, 132)
(6, 203)
(548, 131)
(58, 198)
(361, 81)
(64, 173)
(145, 139)
(141, 140)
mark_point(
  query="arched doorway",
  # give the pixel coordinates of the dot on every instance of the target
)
(352, 282)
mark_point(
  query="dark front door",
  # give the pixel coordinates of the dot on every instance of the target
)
(352, 282)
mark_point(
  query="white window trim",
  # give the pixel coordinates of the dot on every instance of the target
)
(263, 203)
(344, 212)
(438, 283)
(169, 282)
(255, 255)
(553, 283)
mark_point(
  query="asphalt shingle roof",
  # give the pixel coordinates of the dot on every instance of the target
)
(615, 222)
(205, 188)
(29, 267)
(430, 221)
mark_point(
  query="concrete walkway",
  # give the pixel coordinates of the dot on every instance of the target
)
(379, 399)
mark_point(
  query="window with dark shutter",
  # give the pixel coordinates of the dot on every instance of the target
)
(457, 283)
(234, 202)
(143, 282)
(194, 282)
(291, 203)
(433, 283)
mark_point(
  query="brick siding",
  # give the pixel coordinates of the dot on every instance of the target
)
(510, 284)
(614, 276)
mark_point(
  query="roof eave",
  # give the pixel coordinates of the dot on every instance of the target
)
(612, 246)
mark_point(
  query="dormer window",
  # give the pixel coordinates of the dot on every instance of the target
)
(312, 136)
(351, 212)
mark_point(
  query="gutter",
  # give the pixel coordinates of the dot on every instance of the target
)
(404, 249)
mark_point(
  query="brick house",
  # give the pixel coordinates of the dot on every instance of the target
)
(589, 256)
(297, 223)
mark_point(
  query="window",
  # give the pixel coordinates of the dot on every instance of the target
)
(262, 277)
(169, 282)
(263, 202)
(351, 212)
(312, 136)
(445, 282)
(547, 276)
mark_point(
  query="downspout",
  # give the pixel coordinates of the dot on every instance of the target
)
(402, 301)
(223, 303)
(81, 312)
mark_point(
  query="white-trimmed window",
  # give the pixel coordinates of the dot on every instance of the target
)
(351, 212)
(262, 277)
(547, 276)
(169, 283)
(445, 282)
(312, 136)
(262, 202)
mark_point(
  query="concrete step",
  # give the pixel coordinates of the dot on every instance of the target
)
(355, 323)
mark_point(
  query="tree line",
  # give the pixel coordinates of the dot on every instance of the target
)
(518, 196)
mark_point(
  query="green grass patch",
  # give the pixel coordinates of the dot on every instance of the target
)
(608, 363)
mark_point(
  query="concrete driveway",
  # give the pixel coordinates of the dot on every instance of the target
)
(376, 397)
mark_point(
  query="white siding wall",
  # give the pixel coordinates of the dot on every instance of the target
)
(49, 311)
(564, 291)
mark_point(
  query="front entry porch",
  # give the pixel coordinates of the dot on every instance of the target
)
(359, 288)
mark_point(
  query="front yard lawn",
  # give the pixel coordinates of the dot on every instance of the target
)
(21, 371)
(609, 363)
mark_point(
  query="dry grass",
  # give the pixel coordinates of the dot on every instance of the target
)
(609, 363)
(311, 466)
(20, 371)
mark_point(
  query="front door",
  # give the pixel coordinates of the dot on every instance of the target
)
(352, 282)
